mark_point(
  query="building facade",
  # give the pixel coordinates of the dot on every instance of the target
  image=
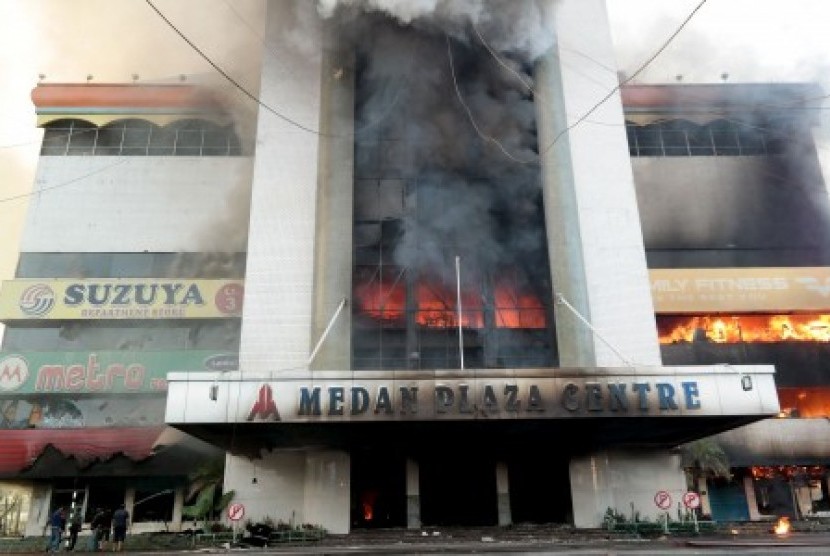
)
(455, 263)
(115, 287)
(447, 278)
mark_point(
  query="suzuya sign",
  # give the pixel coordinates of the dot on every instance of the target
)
(120, 298)
(336, 396)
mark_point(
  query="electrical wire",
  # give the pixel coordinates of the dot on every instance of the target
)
(484, 136)
(230, 79)
(66, 183)
(637, 72)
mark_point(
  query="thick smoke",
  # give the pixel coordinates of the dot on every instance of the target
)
(509, 25)
(438, 111)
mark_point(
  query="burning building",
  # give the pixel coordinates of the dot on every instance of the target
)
(447, 278)
(446, 269)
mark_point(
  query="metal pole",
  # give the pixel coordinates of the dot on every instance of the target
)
(561, 299)
(326, 332)
(458, 305)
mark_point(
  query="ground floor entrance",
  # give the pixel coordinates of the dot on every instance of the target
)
(457, 488)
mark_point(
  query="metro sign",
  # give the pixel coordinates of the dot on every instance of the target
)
(13, 373)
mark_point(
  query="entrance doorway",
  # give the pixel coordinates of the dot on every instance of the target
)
(540, 490)
(378, 490)
(458, 489)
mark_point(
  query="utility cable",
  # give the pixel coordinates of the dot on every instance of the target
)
(637, 72)
(484, 136)
(230, 79)
(64, 184)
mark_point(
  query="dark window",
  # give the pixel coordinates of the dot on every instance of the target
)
(136, 137)
(718, 138)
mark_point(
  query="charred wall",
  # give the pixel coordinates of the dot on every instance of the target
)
(740, 191)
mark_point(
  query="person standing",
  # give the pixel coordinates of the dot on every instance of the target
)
(120, 520)
(75, 524)
(57, 523)
(95, 529)
(104, 529)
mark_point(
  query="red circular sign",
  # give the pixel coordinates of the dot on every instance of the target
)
(691, 500)
(229, 298)
(662, 499)
(236, 512)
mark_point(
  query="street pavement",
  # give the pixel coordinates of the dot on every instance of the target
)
(458, 542)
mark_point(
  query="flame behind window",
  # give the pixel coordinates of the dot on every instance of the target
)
(744, 328)
(382, 296)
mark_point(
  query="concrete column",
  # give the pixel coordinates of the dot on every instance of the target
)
(503, 494)
(279, 306)
(751, 500)
(279, 490)
(413, 495)
(333, 236)
(625, 481)
(594, 238)
(327, 490)
(705, 502)
(178, 504)
(129, 502)
(38, 509)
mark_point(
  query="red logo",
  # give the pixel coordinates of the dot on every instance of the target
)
(229, 298)
(13, 372)
(264, 407)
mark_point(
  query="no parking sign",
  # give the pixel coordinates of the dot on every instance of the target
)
(691, 500)
(662, 499)
(236, 512)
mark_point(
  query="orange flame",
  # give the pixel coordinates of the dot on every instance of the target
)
(384, 298)
(782, 526)
(730, 329)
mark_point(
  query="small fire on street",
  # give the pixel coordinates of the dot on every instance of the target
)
(782, 527)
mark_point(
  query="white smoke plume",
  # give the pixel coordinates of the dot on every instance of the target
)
(509, 25)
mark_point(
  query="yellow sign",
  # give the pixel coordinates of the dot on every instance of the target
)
(701, 290)
(120, 298)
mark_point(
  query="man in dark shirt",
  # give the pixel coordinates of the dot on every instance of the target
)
(57, 523)
(120, 520)
(75, 524)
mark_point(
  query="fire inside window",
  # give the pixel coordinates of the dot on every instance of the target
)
(440, 213)
(795, 343)
(382, 296)
(730, 329)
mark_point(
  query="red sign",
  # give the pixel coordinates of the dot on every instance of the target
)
(691, 500)
(236, 512)
(229, 298)
(662, 499)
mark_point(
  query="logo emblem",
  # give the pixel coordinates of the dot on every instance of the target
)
(229, 298)
(813, 284)
(13, 373)
(37, 300)
(264, 407)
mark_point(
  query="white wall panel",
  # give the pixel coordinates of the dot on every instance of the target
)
(132, 204)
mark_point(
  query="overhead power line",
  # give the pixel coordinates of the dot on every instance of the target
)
(227, 76)
(637, 72)
(66, 183)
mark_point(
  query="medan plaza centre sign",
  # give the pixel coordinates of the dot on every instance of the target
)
(337, 396)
